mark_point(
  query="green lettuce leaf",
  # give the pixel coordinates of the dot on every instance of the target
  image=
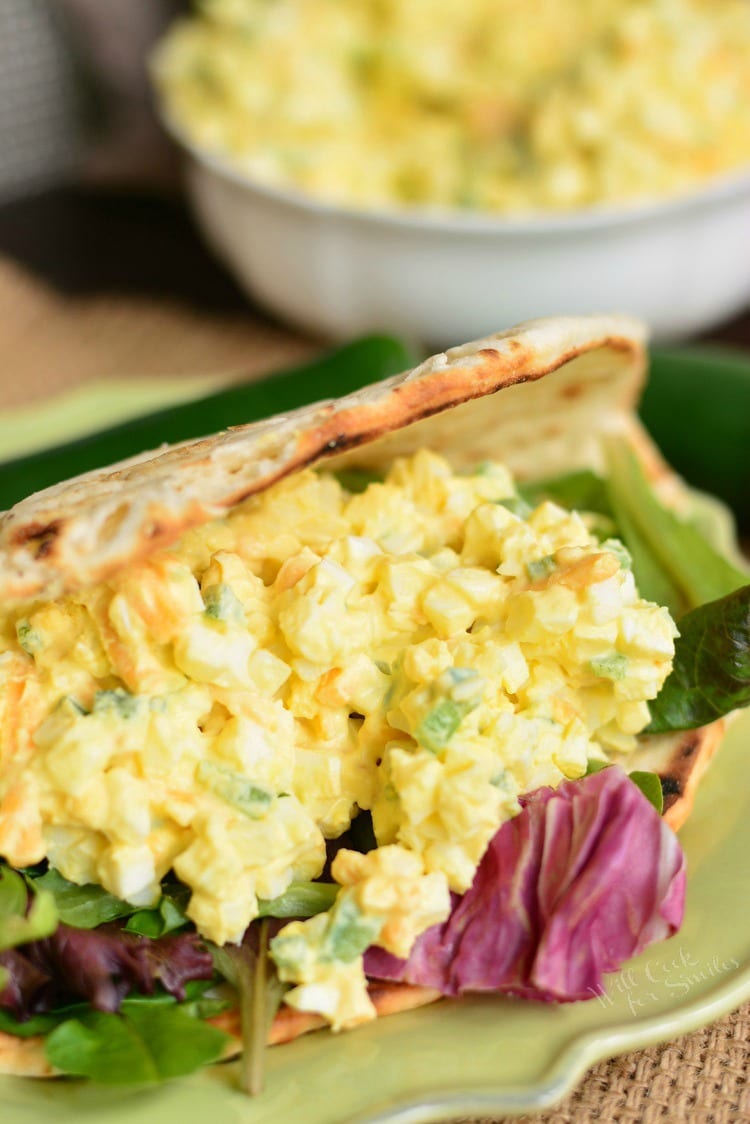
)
(576, 491)
(83, 907)
(301, 899)
(144, 1044)
(26, 914)
(37, 1024)
(357, 480)
(196, 1003)
(711, 671)
(648, 783)
(86, 907)
(167, 917)
(650, 786)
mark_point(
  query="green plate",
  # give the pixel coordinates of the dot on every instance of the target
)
(488, 1055)
(483, 1055)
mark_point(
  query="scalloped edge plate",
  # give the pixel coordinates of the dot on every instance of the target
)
(482, 1055)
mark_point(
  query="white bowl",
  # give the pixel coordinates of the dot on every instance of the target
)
(443, 278)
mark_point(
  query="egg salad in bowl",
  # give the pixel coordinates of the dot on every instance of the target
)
(327, 670)
(483, 105)
(419, 166)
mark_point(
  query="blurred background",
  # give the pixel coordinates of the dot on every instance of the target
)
(104, 280)
(75, 101)
(365, 166)
(125, 254)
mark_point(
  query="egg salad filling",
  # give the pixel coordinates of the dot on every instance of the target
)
(425, 649)
(492, 105)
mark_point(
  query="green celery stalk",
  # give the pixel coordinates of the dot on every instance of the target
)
(696, 572)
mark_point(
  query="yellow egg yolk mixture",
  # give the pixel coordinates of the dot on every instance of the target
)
(426, 649)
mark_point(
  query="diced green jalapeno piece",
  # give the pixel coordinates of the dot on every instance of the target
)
(250, 799)
(68, 703)
(438, 727)
(539, 568)
(289, 952)
(222, 604)
(28, 638)
(621, 552)
(349, 931)
(119, 701)
(612, 666)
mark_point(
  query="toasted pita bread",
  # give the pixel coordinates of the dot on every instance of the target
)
(565, 382)
(540, 397)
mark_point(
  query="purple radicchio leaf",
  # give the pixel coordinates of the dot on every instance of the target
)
(23, 983)
(100, 966)
(585, 877)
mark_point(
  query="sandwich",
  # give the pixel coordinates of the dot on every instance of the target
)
(375, 702)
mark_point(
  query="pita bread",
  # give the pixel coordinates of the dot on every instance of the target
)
(564, 383)
(540, 397)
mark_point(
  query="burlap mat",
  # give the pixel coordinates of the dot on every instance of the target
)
(49, 344)
(700, 1078)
